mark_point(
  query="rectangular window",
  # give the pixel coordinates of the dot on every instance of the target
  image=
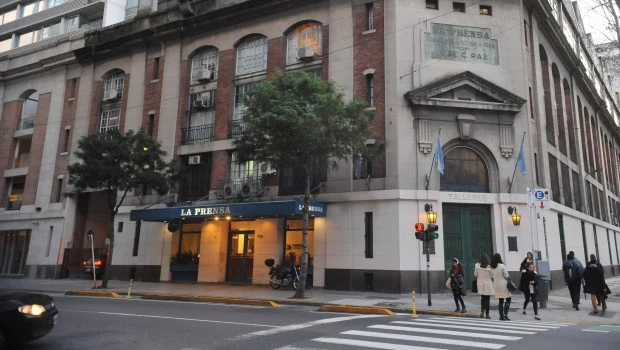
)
(6, 45)
(131, 9)
(370, 90)
(113, 87)
(136, 238)
(458, 7)
(71, 87)
(595, 242)
(65, 147)
(52, 3)
(72, 24)
(512, 244)
(204, 67)
(252, 56)
(59, 190)
(151, 124)
(432, 4)
(29, 9)
(553, 173)
(584, 239)
(25, 39)
(368, 235)
(110, 119)
(562, 239)
(50, 234)
(156, 68)
(9, 16)
(119, 227)
(566, 187)
(611, 259)
(531, 105)
(370, 16)
(525, 32)
(577, 191)
(240, 92)
(486, 10)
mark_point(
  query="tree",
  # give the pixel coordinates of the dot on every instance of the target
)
(118, 163)
(295, 119)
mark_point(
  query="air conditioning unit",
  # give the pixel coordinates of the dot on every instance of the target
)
(204, 75)
(246, 190)
(266, 169)
(193, 160)
(305, 53)
(229, 191)
(111, 94)
(202, 104)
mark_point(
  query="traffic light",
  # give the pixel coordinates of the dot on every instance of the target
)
(419, 232)
(431, 231)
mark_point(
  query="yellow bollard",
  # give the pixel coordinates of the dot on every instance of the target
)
(129, 291)
(414, 308)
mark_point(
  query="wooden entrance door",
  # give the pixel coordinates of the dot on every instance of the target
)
(240, 261)
(467, 236)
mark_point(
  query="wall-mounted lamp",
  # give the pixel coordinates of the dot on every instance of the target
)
(516, 218)
(430, 214)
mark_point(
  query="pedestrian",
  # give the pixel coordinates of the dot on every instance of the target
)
(598, 263)
(528, 259)
(529, 286)
(482, 271)
(595, 284)
(457, 276)
(573, 272)
(499, 273)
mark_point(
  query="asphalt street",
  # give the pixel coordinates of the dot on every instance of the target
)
(120, 323)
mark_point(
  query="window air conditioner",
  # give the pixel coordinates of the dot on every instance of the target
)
(266, 169)
(305, 53)
(111, 94)
(229, 191)
(246, 190)
(193, 160)
(204, 75)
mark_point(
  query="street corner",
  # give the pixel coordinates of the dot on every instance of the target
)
(357, 309)
(92, 293)
(208, 299)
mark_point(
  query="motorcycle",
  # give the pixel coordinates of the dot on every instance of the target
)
(282, 275)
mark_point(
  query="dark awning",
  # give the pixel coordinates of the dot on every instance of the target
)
(234, 210)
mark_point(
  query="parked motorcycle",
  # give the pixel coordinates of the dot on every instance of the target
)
(282, 275)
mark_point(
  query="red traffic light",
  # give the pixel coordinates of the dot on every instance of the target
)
(419, 227)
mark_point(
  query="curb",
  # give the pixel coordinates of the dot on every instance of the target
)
(92, 293)
(356, 309)
(205, 299)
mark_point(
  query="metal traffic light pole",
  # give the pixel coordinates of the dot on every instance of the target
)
(428, 269)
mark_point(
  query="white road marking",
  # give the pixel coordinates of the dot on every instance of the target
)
(123, 299)
(446, 332)
(172, 318)
(294, 327)
(594, 330)
(490, 325)
(533, 323)
(371, 344)
(509, 323)
(486, 329)
(425, 339)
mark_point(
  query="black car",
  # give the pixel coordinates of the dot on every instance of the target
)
(25, 316)
(100, 264)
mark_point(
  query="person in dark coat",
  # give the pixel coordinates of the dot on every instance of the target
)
(598, 263)
(457, 285)
(528, 259)
(595, 285)
(573, 273)
(529, 286)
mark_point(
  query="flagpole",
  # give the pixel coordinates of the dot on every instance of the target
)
(428, 177)
(516, 163)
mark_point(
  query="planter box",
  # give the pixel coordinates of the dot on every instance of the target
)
(184, 272)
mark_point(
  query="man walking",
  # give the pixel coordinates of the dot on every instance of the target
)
(573, 272)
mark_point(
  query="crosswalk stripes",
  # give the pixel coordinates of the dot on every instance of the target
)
(415, 334)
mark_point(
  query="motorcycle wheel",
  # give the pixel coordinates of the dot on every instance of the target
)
(274, 283)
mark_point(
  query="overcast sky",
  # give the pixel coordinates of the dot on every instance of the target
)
(594, 20)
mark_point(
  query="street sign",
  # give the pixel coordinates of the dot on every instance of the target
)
(542, 205)
(541, 194)
(90, 235)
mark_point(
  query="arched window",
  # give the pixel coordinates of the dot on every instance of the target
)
(204, 66)
(29, 110)
(464, 171)
(559, 107)
(252, 55)
(570, 122)
(549, 126)
(304, 43)
(113, 85)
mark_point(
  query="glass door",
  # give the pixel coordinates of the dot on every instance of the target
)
(240, 259)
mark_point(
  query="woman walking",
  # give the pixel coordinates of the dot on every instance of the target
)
(456, 282)
(595, 284)
(482, 271)
(499, 273)
(529, 286)
(528, 259)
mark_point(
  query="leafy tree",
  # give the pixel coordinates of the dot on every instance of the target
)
(298, 120)
(118, 163)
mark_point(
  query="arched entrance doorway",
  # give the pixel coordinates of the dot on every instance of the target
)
(467, 227)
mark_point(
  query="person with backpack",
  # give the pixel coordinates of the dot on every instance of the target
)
(573, 272)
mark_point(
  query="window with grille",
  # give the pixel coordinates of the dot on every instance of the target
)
(110, 119)
(370, 90)
(370, 16)
(240, 92)
(113, 86)
(464, 170)
(204, 66)
(242, 171)
(307, 36)
(252, 56)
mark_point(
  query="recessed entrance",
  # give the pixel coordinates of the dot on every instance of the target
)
(240, 258)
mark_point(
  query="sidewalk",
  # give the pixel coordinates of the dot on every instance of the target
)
(558, 306)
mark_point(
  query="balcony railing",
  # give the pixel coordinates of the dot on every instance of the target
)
(195, 134)
(22, 161)
(27, 122)
(14, 204)
(235, 128)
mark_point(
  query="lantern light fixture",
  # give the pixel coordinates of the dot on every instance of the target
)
(431, 215)
(516, 217)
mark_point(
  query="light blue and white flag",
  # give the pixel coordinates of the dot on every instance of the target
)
(439, 156)
(521, 161)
